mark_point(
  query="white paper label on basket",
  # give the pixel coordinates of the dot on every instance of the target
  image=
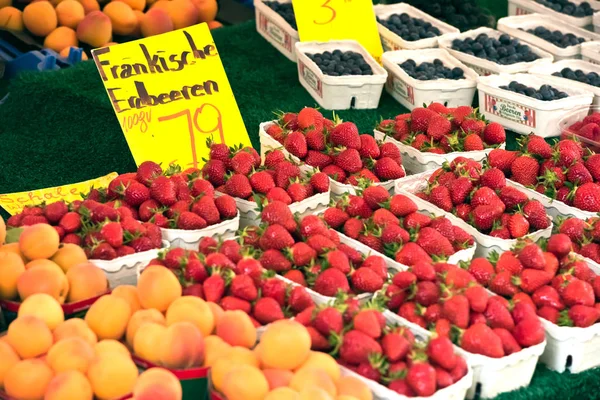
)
(478, 69)
(274, 31)
(401, 88)
(510, 110)
(522, 11)
(310, 78)
(389, 45)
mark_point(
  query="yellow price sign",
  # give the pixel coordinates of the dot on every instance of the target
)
(14, 203)
(170, 93)
(324, 20)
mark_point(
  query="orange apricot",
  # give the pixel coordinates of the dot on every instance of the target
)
(39, 240)
(217, 311)
(214, 25)
(15, 249)
(47, 278)
(41, 263)
(129, 293)
(44, 307)
(278, 377)
(71, 354)
(28, 379)
(11, 268)
(40, 19)
(112, 377)
(207, 9)
(95, 29)
(158, 287)
(245, 382)
(148, 341)
(310, 376)
(183, 13)
(69, 385)
(283, 393)
(69, 254)
(122, 17)
(11, 18)
(70, 13)
(155, 22)
(74, 327)
(182, 347)
(61, 38)
(89, 6)
(275, 349)
(351, 386)
(236, 328)
(192, 309)
(85, 282)
(108, 317)
(232, 358)
(139, 5)
(139, 318)
(65, 53)
(314, 393)
(157, 383)
(111, 348)
(29, 336)
(8, 358)
(325, 362)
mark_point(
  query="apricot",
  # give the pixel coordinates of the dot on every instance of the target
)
(192, 309)
(71, 354)
(40, 19)
(110, 348)
(86, 281)
(74, 327)
(108, 317)
(65, 53)
(157, 383)
(214, 25)
(47, 278)
(155, 22)
(122, 17)
(45, 307)
(61, 38)
(112, 377)
(276, 351)
(245, 382)
(3, 4)
(10, 18)
(41, 263)
(148, 341)
(315, 393)
(207, 9)
(69, 385)
(183, 13)
(139, 5)
(28, 379)
(129, 293)
(139, 318)
(39, 240)
(70, 13)
(234, 357)
(351, 386)
(346, 397)
(310, 376)
(29, 336)
(69, 254)
(183, 346)
(283, 393)
(11, 268)
(95, 29)
(325, 362)
(158, 287)
(15, 249)
(236, 328)
(214, 348)
(8, 358)
(89, 6)
(278, 377)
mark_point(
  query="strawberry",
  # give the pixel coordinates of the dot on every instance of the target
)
(188, 220)
(493, 178)
(559, 244)
(124, 251)
(112, 233)
(329, 320)
(509, 344)
(482, 270)
(318, 341)
(421, 379)
(55, 211)
(315, 140)
(401, 206)
(377, 264)
(70, 222)
(375, 196)
(285, 172)
(301, 254)
(299, 299)
(440, 197)
(392, 151)
(494, 133)
(369, 147)
(480, 339)
(478, 298)
(484, 216)
(419, 119)
(163, 190)
(330, 281)
(460, 189)
(395, 346)
(411, 253)
(195, 271)
(434, 243)
(262, 182)
(320, 243)
(357, 347)
(438, 127)
(230, 303)
(309, 117)
(142, 244)
(473, 126)
(583, 316)
(532, 256)
(578, 292)
(242, 286)
(147, 172)
(532, 279)
(242, 162)
(456, 310)
(518, 225)
(103, 251)
(366, 280)
(345, 134)
(473, 142)
(336, 217)
(275, 289)
(498, 316)
(320, 182)
(267, 310)
(276, 237)
(312, 225)
(587, 197)
(295, 143)
(536, 215)
(226, 206)
(206, 208)
(593, 165)
(567, 152)
(387, 168)
(525, 170)
(529, 332)
(367, 321)
(441, 351)
(416, 220)
(502, 284)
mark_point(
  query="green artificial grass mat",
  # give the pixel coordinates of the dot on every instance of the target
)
(59, 127)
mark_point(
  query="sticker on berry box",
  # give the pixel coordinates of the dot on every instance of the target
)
(401, 88)
(275, 32)
(389, 45)
(522, 11)
(310, 78)
(510, 110)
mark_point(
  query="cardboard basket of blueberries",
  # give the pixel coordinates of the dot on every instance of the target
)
(340, 75)
(590, 51)
(488, 51)
(573, 12)
(418, 77)
(275, 21)
(579, 73)
(402, 26)
(526, 103)
(548, 33)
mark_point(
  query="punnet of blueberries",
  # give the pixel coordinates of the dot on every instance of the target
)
(462, 14)
(409, 28)
(338, 63)
(591, 78)
(504, 50)
(568, 7)
(428, 71)
(556, 37)
(286, 10)
(545, 92)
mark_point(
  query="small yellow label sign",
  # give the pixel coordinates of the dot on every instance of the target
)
(14, 203)
(324, 20)
(170, 93)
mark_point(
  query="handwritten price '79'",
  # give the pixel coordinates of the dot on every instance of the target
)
(330, 10)
(194, 125)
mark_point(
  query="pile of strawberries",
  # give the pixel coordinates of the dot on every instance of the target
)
(584, 235)
(440, 130)
(361, 341)
(392, 225)
(239, 173)
(337, 148)
(105, 231)
(563, 171)
(221, 273)
(560, 287)
(588, 128)
(446, 299)
(482, 198)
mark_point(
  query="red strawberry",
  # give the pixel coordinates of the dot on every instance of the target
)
(299, 299)
(460, 189)
(309, 117)
(329, 320)
(242, 162)
(242, 286)
(229, 303)
(401, 206)
(480, 339)
(473, 142)
(346, 134)
(493, 178)
(559, 244)
(509, 344)
(267, 310)
(473, 126)
(112, 233)
(357, 347)
(536, 145)
(214, 170)
(502, 159)
(456, 310)
(366, 280)
(262, 182)
(440, 197)
(419, 119)
(147, 172)
(295, 143)
(441, 351)
(318, 341)
(195, 271)
(142, 244)
(518, 226)
(276, 289)
(434, 243)
(55, 211)
(320, 182)
(536, 215)
(498, 316)
(494, 133)
(587, 197)
(421, 378)
(478, 298)
(226, 206)
(70, 222)
(315, 139)
(386, 168)
(583, 316)
(529, 332)
(188, 220)
(411, 253)
(103, 251)
(578, 292)
(330, 281)
(375, 196)
(395, 346)
(525, 170)
(503, 285)
(286, 171)
(438, 127)
(367, 321)
(273, 157)
(484, 216)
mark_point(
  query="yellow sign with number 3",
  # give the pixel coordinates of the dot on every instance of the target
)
(324, 20)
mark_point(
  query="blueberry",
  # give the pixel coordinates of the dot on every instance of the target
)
(427, 71)
(410, 29)
(545, 92)
(569, 8)
(286, 10)
(338, 63)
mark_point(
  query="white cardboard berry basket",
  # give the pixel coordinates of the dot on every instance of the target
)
(524, 7)
(596, 21)
(411, 92)
(336, 188)
(486, 67)
(189, 240)
(126, 270)
(590, 52)
(275, 29)
(523, 114)
(485, 243)
(416, 161)
(517, 26)
(491, 376)
(340, 92)
(547, 70)
(392, 41)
